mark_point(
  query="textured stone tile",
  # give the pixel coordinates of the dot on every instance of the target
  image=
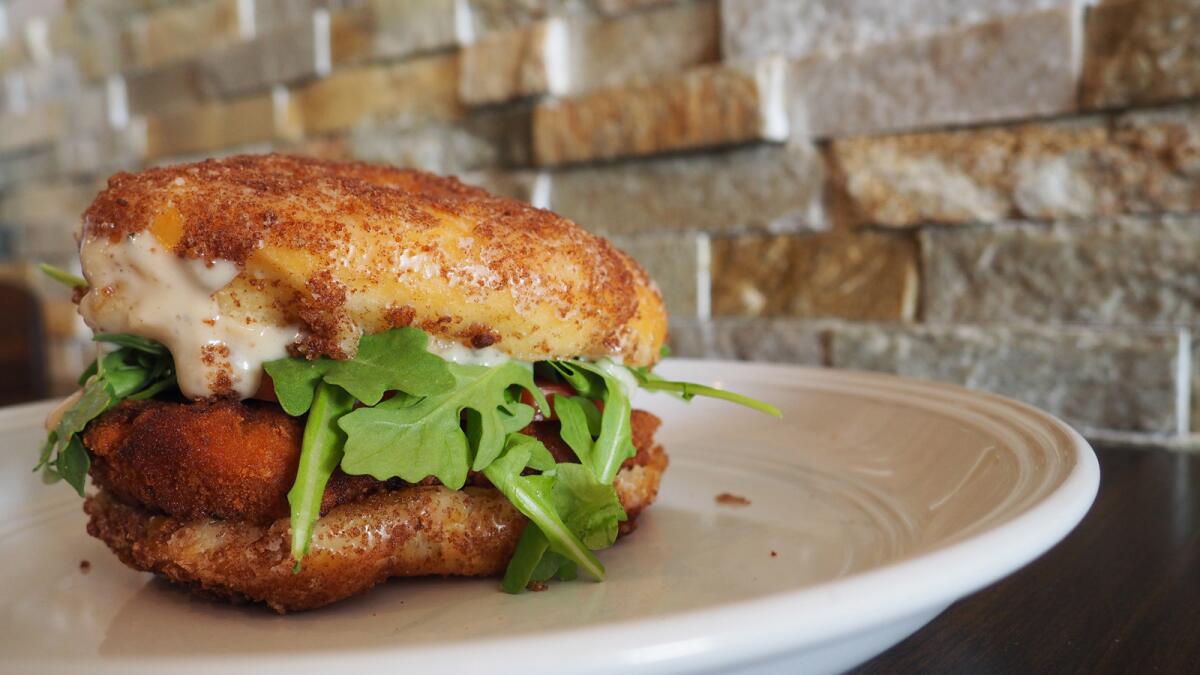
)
(412, 92)
(635, 48)
(772, 188)
(47, 205)
(389, 29)
(865, 276)
(1011, 68)
(33, 128)
(486, 16)
(404, 27)
(678, 263)
(489, 139)
(284, 56)
(1141, 51)
(1141, 162)
(1092, 378)
(708, 106)
(756, 28)
(220, 125)
(1194, 391)
(614, 7)
(28, 166)
(176, 85)
(516, 184)
(181, 31)
(508, 65)
(1131, 273)
(102, 151)
(778, 340)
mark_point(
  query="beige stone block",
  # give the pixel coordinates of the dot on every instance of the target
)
(390, 29)
(508, 65)
(635, 48)
(766, 188)
(1136, 163)
(491, 139)
(284, 56)
(614, 7)
(1011, 68)
(410, 92)
(862, 276)
(708, 106)
(486, 16)
(220, 125)
(506, 183)
(1132, 272)
(28, 129)
(1141, 51)
(403, 27)
(178, 84)
(180, 31)
(757, 28)
(678, 263)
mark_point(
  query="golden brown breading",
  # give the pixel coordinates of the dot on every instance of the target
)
(343, 248)
(228, 459)
(237, 460)
(412, 531)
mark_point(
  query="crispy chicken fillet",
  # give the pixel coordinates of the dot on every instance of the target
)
(198, 494)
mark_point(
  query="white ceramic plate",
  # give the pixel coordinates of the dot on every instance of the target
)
(874, 504)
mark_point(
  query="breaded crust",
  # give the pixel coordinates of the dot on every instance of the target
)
(225, 459)
(237, 460)
(413, 531)
(340, 249)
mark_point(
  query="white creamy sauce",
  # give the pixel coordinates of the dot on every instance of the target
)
(456, 352)
(140, 287)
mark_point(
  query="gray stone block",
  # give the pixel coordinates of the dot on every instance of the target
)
(1131, 273)
(1093, 378)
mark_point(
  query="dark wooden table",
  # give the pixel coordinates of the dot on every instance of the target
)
(1121, 594)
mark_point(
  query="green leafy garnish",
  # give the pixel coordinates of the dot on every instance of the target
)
(395, 360)
(62, 276)
(320, 454)
(533, 496)
(614, 444)
(140, 368)
(412, 438)
(689, 390)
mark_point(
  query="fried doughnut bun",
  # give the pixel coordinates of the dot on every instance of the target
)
(343, 249)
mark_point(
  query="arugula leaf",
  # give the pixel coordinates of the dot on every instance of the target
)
(62, 276)
(531, 548)
(139, 368)
(689, 390)
(532, 496)
(413, 439)
(589, 508)
(295, 382)
(615, 443)
(574, 424)
(134, 342)
(320, 453)
(395, 360)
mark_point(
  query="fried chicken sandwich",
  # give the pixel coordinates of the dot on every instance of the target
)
(314, 376)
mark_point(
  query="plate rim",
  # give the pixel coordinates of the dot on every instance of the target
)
(849, 605)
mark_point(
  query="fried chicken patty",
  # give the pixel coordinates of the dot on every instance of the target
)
(197, 492)
(236, 460)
